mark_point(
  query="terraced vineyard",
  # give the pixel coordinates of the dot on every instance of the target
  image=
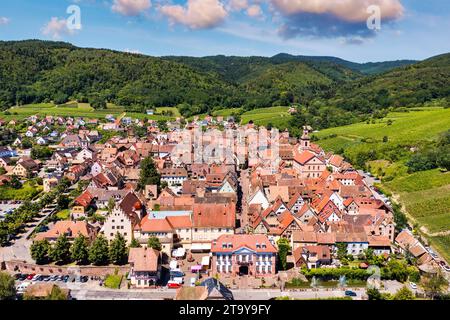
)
(277, 116)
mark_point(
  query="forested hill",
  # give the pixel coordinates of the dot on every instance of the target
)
(35, 71)
(368, 68)
(413, 85)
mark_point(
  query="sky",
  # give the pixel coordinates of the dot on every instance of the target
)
(349, 29)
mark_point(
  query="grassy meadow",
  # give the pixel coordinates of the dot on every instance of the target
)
(74, 109)
(277, 116)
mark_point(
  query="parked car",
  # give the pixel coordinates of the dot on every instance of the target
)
(84, 279)
(36, 277)
(66, 278)
(53, 278)
(413, 285)
(179, 280)
(31, 276)
(350, 293)
(177, 274)
(173, 285)
(23, 277)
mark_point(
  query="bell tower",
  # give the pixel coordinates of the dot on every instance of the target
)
(305, 140)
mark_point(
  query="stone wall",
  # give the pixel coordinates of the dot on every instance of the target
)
(28, 268)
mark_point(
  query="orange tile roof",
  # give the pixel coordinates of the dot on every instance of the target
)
(303, 157)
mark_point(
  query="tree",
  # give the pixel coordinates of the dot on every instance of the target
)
(98, 252)
(374, 294)
(40, 251)
(41, 153)
(111, 204)
(149, 174)
(7, 286)
(341, 250)
(283, 249)
(396, 269)
(135, 244)
(63, 202)
(15, 182)
(57, 294)
(162, 125)
(80, 250)
(404, 294)
(118, 250)
(154, 243)
(434, 285)
(60, 252)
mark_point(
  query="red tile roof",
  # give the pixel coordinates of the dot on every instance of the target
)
(238, 241)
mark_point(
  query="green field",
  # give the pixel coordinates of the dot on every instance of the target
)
(74, 109)
(63, 214)
(277, 116)
(226, 112)
(425, 195)
(442, 244)
(27, 192)
(113, 281)
(406, 128)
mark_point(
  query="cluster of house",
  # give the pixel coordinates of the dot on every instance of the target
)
(315, 200)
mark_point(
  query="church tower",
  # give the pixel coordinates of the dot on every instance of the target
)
(305, 140)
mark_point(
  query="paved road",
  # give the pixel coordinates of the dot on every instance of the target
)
(244, 182)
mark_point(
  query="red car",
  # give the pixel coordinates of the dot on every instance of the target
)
(173, 285)
(30, 276)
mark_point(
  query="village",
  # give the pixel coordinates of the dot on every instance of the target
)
(133, 204)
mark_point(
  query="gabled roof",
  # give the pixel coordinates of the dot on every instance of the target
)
(144, 259)
(304, 157)
(254, 242)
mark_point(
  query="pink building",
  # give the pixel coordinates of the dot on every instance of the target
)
(243, 254)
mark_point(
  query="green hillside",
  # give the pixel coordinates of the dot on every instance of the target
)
(38, 71)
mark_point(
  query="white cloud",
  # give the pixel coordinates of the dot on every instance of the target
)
(56, 28)
(196, 14)
(347, 10)
(254, 11)
(131, 7)
(238, 5)
(4, 20)
(133, 51)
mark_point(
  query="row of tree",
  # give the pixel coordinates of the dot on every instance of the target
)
(98, 253)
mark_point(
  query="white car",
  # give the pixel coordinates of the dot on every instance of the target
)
(413, 285)
(36, 277)
(179, 280)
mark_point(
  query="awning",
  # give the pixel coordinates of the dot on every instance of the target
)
(196, 268)
(201, 246)
(205, 261)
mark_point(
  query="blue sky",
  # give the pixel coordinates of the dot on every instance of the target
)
(410, 29)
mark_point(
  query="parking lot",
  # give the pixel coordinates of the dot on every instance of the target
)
(24, 280)
(8, 207)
